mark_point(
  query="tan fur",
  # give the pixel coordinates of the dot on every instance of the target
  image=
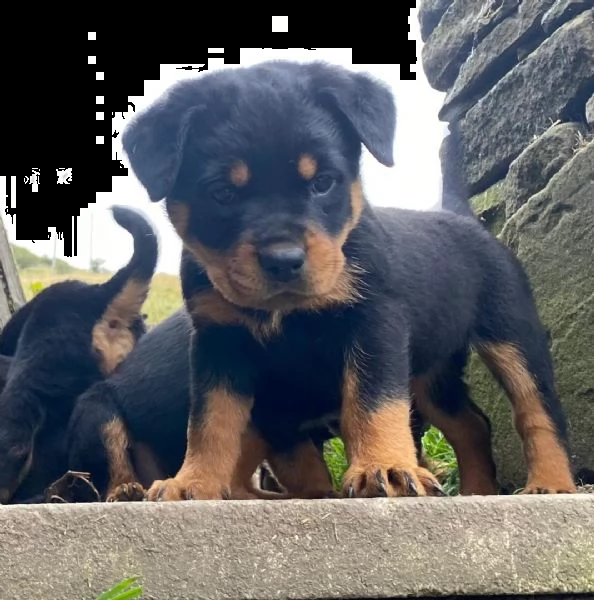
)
(548, 463)
(303, 473)
(379, 441)
(213, 451)
(117, 443)
(468, 435)
(307, 166)
(112, 338)
(240, 174)
(210, 306)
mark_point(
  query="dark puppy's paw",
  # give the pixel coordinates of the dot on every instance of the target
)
(376, 481)
(127, 492)
(542, 489)
(176, 489)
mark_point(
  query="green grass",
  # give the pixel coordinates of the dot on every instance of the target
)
(441, 458)
(124, 590)
(336, 461)
(163, 299)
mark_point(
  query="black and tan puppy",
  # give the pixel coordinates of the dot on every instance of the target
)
(69, 336)
(307, 300)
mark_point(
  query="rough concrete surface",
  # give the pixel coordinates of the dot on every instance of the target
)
(317, 549)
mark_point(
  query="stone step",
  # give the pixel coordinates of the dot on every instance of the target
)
(322, 549)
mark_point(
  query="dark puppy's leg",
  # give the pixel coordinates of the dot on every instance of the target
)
(99, 444)
(524, 369)
(303, 472)
(123, 482)
(443, 400)
(253, 452)
(376, 416)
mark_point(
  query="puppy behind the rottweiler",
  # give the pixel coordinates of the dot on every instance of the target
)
(69, 336)
(307, 300)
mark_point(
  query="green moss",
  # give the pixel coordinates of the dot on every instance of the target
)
(488, 199)
(490, 208)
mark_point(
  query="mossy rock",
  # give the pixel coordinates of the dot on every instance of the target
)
(553, 236)
(489, 207)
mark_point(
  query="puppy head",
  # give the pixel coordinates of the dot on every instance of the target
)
(260, 169)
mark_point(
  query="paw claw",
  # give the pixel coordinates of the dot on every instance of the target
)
(410, 484)
(127, 492)
(437, 489)
(561, 488)
(381, 484)
(381, 481)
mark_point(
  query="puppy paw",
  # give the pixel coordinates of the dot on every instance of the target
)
(376, 481)
(127, 492)
(175, 489)
(549, 487)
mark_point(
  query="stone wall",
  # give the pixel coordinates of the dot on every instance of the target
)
(519, 82)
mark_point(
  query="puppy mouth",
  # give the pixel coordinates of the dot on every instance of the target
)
(267, 295)
(273, 290)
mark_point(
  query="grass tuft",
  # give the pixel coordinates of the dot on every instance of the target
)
(124, 590)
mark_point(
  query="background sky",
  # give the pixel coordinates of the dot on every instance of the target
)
(414, 181)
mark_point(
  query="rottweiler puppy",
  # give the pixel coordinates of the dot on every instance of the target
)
(57, 345)
(308, 301)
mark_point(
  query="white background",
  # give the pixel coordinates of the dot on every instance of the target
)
(414, 181)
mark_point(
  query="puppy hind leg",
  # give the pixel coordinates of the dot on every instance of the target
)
(525, 371)
(99, 444)
(443, 400)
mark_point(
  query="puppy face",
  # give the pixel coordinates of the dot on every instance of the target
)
(260, 168)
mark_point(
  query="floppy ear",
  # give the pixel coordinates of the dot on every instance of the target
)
(154, 143)
(366, 103)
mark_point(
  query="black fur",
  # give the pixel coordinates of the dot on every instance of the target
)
(431, 285)
(150, 393)
(52, 360)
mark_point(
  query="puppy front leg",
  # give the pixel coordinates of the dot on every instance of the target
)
(376, 430)
(219, 416)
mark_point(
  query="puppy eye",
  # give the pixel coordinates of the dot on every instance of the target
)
(223, 195)
(322, 184)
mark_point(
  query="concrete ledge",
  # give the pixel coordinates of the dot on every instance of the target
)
(318, 549)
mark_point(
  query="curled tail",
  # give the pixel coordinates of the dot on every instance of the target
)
(143, 263)
(123, 295)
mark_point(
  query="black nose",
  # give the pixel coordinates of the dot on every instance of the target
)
(282, 263)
